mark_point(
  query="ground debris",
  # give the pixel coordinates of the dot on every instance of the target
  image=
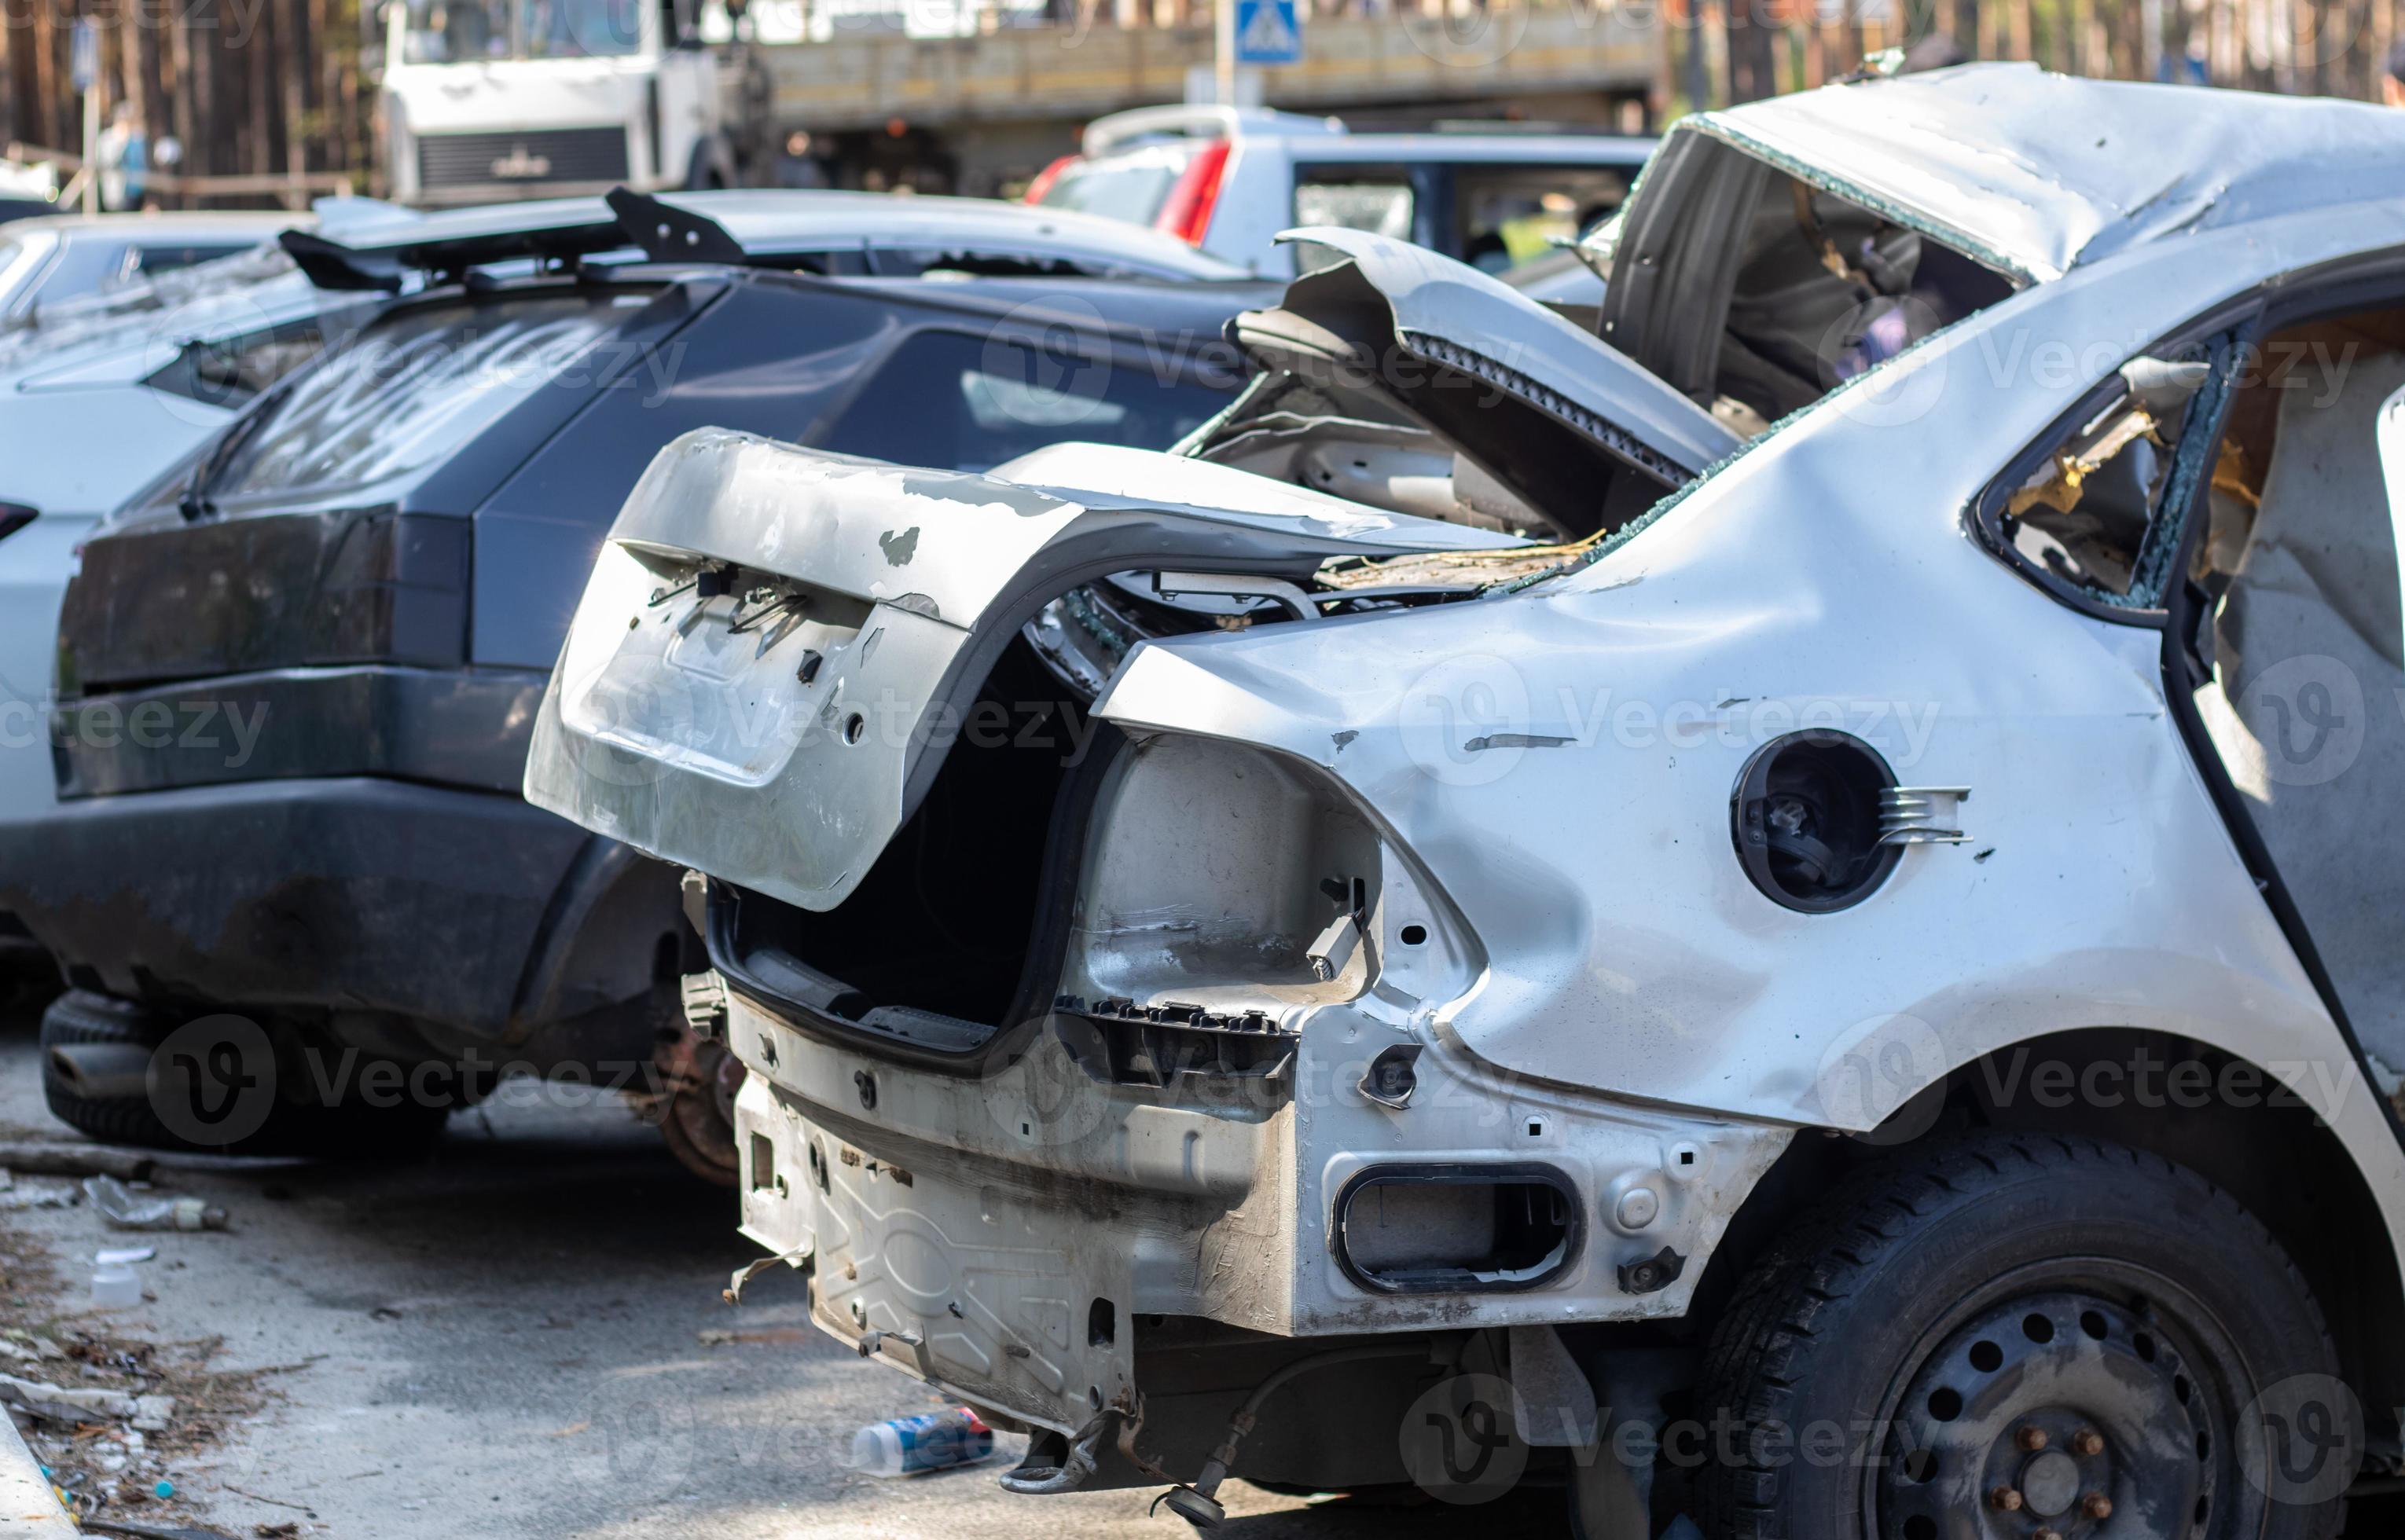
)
(719, 1338)
(63, 1158)
(74, 1408)
(148, 1410)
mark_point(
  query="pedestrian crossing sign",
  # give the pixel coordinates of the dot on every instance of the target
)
(1268, 32)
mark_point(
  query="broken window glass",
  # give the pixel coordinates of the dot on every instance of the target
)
(2084, 513)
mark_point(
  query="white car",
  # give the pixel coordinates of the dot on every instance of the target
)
(63, 257)
(1228, 179)
(1853, 1000)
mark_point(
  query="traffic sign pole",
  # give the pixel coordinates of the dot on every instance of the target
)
(84, 69)
(1223, 54)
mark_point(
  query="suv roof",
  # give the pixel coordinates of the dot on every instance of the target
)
(745, 225)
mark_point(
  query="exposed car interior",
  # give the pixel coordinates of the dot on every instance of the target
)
(1756, 294)
(2301, 633)
(2086, 509)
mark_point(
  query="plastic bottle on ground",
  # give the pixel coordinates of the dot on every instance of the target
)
(912, 1445)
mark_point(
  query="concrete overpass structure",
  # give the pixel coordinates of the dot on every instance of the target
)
(1006, 102)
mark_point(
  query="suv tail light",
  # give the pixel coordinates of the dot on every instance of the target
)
(1049, 174)
(1186, 213)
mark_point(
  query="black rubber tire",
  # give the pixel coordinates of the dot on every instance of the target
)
(1839, 1313)
(81, 1015)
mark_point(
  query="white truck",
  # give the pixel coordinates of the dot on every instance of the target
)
(488, 100)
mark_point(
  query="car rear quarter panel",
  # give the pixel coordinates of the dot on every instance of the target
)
(1562, 759)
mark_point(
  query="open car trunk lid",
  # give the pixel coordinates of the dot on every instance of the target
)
(778, 645)
(772, 652)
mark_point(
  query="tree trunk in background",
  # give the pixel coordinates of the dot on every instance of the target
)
(330, 125)
(1753, 51)
(201, 155)
(1699, 60)
(16, 85)
(260, 94)
(1966, 29)
(150, 80)
(293, 64)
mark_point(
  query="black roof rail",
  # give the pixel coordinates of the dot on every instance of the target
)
(662, 232)
(669, 233)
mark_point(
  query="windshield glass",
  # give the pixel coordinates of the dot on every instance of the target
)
(454, 32)
(403, 395)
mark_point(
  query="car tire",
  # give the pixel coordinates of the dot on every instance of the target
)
(2005, 1329)
(82, 1017)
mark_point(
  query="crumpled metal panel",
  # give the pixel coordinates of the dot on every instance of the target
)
(2042, 173)
(1450, 313)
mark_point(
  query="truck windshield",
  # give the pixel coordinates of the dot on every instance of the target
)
(455, 32)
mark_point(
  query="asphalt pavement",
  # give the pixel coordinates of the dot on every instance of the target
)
(507, 1337)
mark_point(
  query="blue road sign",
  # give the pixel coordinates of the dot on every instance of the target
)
(1268, 32)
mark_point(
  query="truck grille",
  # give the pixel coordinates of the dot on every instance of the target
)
(540, 156)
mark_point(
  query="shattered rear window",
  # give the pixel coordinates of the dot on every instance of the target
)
(404, 395)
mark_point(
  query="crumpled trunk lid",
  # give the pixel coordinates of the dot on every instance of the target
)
(776, 644)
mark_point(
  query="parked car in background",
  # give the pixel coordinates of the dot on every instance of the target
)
(27, 190)
(101, 394)
(1228, 179)
(1875, 974)
(61, 257)
(363, 581)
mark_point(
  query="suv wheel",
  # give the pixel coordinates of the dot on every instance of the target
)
(95, 1054)
(83, 1019)
(2018, 1336)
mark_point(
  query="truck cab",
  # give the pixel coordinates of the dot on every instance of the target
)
(487, 100)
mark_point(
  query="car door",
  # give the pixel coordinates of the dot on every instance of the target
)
(2295, 642)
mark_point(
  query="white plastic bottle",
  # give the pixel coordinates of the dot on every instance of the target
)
(913, 1445)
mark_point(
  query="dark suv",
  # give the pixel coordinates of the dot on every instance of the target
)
(297, 675)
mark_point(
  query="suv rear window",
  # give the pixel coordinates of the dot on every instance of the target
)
(1131, 185)
(946, 398)
(406, 393)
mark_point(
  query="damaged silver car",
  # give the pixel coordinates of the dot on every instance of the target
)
(1497, 917)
